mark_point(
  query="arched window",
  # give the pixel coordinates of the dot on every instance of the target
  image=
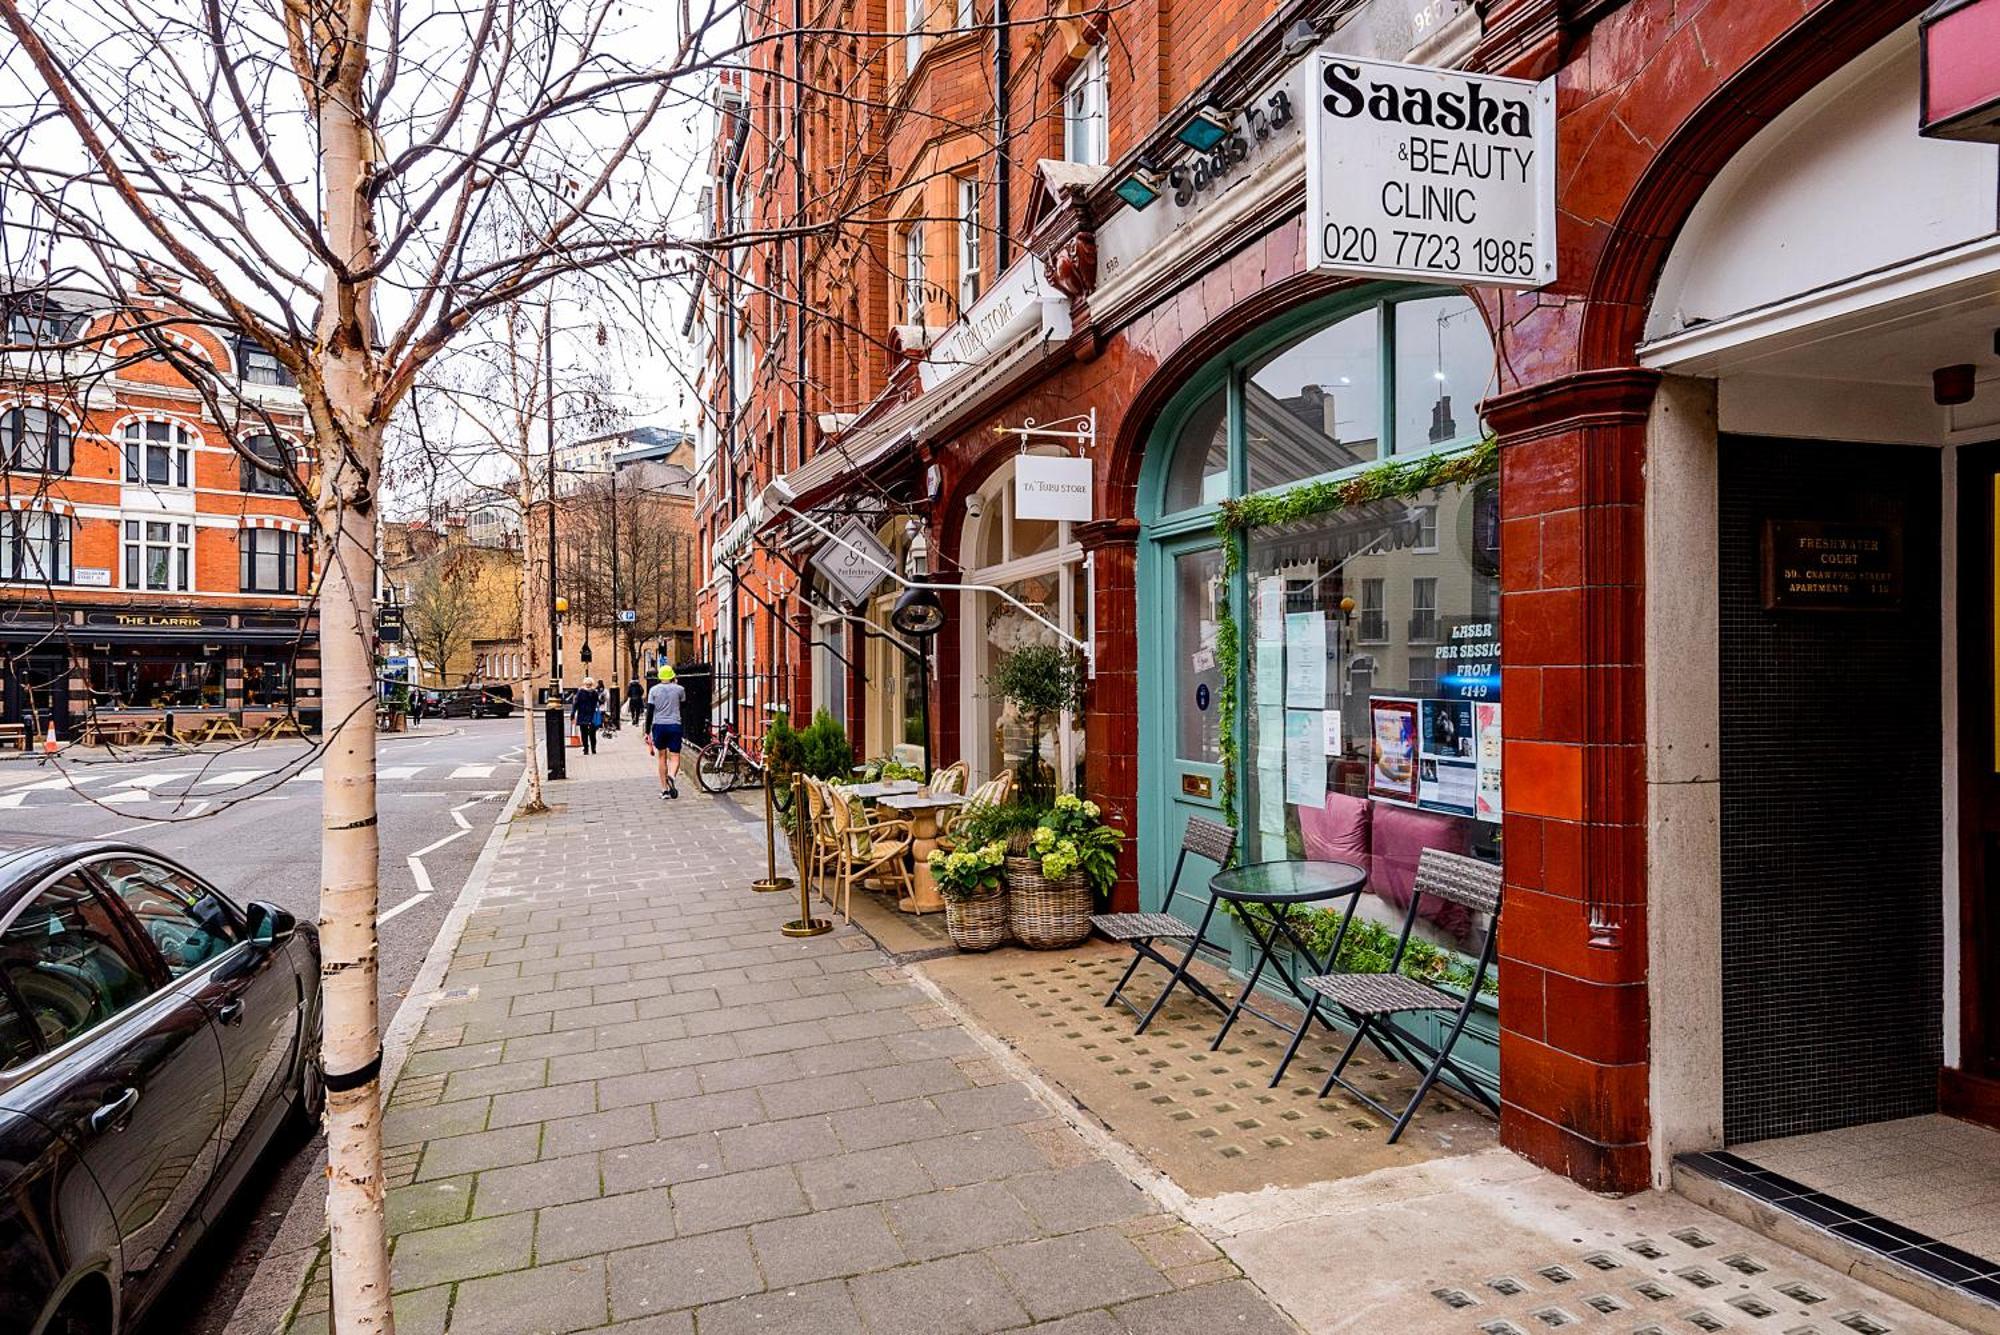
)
(268, 467)
(35, 439)
(158, 453)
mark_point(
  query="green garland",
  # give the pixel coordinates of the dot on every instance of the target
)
(1233, 523)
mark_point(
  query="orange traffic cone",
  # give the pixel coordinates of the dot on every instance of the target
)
(49, 744)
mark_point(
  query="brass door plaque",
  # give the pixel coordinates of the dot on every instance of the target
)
(1197, 785)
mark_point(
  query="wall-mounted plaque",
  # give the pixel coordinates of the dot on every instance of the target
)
(1813, 565)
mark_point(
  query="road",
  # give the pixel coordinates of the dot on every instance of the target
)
(249, 819)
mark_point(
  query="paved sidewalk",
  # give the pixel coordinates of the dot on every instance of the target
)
(637, 1106)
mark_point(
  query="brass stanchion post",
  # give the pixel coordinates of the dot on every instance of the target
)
(772, 881)
(805, 924)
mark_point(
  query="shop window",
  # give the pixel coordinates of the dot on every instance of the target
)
(267, 469)
(1315, 406)
(1199, 472)
(126, 678)
(35, 546)
(1084, 104)
(968, 244)
(35, 439)
(158, 454)
(157, 556)
(269, 560)
(1444, 368)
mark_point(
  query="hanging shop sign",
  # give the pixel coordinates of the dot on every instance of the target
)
(1961, 79)
(1436, 175)
(1020, 301)
(1052, 486)
(855, 564)
(1812, 565)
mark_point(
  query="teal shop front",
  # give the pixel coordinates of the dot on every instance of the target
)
(1319, 662)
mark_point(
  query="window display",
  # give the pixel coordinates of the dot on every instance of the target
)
(126, 679)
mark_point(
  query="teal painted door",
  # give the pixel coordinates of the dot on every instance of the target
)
(1181, 674)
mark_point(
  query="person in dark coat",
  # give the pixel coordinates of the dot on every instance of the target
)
(584, 706)
(635, 698)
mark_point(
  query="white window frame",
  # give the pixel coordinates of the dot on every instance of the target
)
(970, 278)
(178, 544)
(916, 16)
(1379, 586)
(913, 271)
(1424, 603)
(1085, 112)
(1427, 528)
(36, 546)
(964, 14)
(251, 553)
(179, 447)
(27, 426)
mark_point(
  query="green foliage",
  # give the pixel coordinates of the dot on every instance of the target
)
(1010, 823)
(1370, 946)
(1396, 479)
(1072, 838)
(824, 751)
(969, 872)
(1039, 680)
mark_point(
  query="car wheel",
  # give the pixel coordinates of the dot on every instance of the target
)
(308, 1098)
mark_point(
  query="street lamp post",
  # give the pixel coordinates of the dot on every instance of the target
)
(549, 381)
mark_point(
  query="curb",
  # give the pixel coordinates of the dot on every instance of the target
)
(273, 1292)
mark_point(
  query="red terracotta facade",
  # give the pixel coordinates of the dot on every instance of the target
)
(1653, 98)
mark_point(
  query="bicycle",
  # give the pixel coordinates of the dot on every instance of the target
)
(723, 765)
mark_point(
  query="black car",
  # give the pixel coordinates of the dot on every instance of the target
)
(490, 701)
(154, 1039)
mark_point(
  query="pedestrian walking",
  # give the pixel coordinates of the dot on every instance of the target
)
(663, 729)
(584, 707)
(635, 699)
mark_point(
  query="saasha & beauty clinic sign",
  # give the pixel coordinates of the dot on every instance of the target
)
(1415, 172)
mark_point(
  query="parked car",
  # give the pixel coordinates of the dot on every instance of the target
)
(155, 1038)
(493, 700)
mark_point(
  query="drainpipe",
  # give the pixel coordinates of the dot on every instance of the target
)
(1003, 245)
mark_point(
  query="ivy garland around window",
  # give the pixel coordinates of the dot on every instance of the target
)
(1395, 480)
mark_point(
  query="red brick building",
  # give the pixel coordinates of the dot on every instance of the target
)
(149, 567)
(1745, 807)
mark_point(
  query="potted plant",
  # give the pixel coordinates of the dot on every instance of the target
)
(975, 897)
(1069, 865)
(1039, 680)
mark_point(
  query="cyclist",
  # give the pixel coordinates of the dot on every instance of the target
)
(663, 728)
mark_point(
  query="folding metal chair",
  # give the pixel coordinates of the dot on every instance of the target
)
(1142, 931)
(1373, 1000)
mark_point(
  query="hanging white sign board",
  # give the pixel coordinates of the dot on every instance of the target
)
(1052, 486)
(1437, 175)
(855, 564)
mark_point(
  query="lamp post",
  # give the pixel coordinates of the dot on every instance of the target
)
(549, 381)
(919, 615)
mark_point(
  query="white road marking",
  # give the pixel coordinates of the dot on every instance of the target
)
(66, 781)
(432, 848)
(459, 816)
(472, 772)
(127, 796)
(11, 800)
(420, 876)
(155, 780)
(398, 772)
(192, 812)
(233, 777)
(311, 774)
(412, 901)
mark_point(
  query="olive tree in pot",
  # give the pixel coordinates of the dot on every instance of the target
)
(1041, 681)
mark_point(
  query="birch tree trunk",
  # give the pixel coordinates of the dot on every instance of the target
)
(333, 61)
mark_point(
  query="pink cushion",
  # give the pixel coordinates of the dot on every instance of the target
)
(1398, 837)
(1339, 832)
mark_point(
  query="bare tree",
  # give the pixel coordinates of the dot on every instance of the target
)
(443, 606)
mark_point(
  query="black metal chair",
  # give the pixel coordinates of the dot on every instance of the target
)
(1143, 931)
(1373, 1000)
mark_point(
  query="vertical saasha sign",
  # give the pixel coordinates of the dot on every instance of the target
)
(1415, 172)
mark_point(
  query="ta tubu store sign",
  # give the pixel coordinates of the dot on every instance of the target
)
(1436, 175)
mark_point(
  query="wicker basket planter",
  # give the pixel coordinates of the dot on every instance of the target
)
(977, 924)
(1045, 914)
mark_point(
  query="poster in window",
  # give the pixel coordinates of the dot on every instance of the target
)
(1447, 785)
(1305, 660)
(1486, 753)
(1392, 768)
(1305, 758)
(1447, 729)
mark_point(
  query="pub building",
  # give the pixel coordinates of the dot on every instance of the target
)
(1704, 658)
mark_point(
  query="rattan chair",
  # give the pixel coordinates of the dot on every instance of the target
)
(1143, 931)
(994, 792)
(821, 843)
(950, 780)
(1371, 1001)
(864, 848)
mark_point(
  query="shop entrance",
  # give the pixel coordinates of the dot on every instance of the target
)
(1190, 585)
(37, 692)
(1971, 1087)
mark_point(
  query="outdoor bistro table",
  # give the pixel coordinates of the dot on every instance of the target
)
(875, 792)
(923, 809)
(1280, 889)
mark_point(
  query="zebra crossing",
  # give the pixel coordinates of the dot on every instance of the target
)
(107, 786)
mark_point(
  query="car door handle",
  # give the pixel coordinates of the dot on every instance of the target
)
(230, 1011)
(113, 1114)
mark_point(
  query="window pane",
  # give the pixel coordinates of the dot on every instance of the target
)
(1198, 471)
(1316, 405)
(1444, 368)
(68, 963)
(186, 920)
(1366, 742)
(156, 567)
(1197, 670)
(159, 466)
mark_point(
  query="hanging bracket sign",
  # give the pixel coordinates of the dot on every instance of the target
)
(1052, 486)
(853, 561)
(1438, 175)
